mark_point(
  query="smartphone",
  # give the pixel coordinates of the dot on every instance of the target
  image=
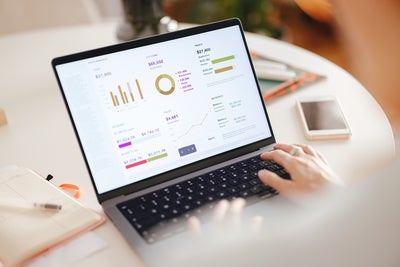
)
(323, 118)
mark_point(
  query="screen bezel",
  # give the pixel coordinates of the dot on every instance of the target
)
(169, 175)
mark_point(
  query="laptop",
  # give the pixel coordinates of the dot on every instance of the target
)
(168, 125)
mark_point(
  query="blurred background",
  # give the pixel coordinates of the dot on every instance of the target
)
(306, 23)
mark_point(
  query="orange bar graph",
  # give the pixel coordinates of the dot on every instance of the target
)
(124, 94)
(126, 98)
(130, 92)
(138, 87)
(223, 69)
(113, 99)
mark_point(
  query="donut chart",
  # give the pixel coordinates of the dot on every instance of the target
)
(162, 91)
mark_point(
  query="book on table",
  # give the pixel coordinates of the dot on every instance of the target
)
(277, 78)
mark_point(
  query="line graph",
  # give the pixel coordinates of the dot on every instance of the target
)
(194, 126)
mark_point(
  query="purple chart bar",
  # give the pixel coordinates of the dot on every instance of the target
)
(125, 144)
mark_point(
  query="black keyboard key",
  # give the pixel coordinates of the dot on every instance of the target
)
(257, 188)
(246, 193)
(223, 186)
(198, 202)
(255, 181)
(210, 198)
(201, 194)
(245, 178)
(222, 194)
(213, 189)
(234, 181)
(244, 186)
(233, 190)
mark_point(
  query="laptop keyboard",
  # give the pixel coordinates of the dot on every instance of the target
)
(160, 213)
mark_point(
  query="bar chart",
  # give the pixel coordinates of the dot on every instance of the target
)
(123, 97)
(222, 60)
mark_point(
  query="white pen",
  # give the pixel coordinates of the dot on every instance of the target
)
(20, 204)
(275, 74)
(266, 64)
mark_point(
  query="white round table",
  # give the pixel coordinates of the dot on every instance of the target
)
(39, 134)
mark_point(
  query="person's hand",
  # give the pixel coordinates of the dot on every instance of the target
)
(308, 169)
(309, 172)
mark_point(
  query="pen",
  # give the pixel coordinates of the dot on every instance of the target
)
(275, 74)
(266, 64)
(19, 204)
(270, 70)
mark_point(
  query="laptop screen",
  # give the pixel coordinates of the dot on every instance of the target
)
(145, 108)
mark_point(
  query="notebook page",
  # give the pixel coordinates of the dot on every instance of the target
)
(28, 232)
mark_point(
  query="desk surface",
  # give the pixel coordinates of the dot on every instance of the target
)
(39, 134)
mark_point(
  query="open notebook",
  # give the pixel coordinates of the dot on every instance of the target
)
(27, 232)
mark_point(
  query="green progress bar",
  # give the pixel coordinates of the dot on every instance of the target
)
(222, 59)
(157, 157)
